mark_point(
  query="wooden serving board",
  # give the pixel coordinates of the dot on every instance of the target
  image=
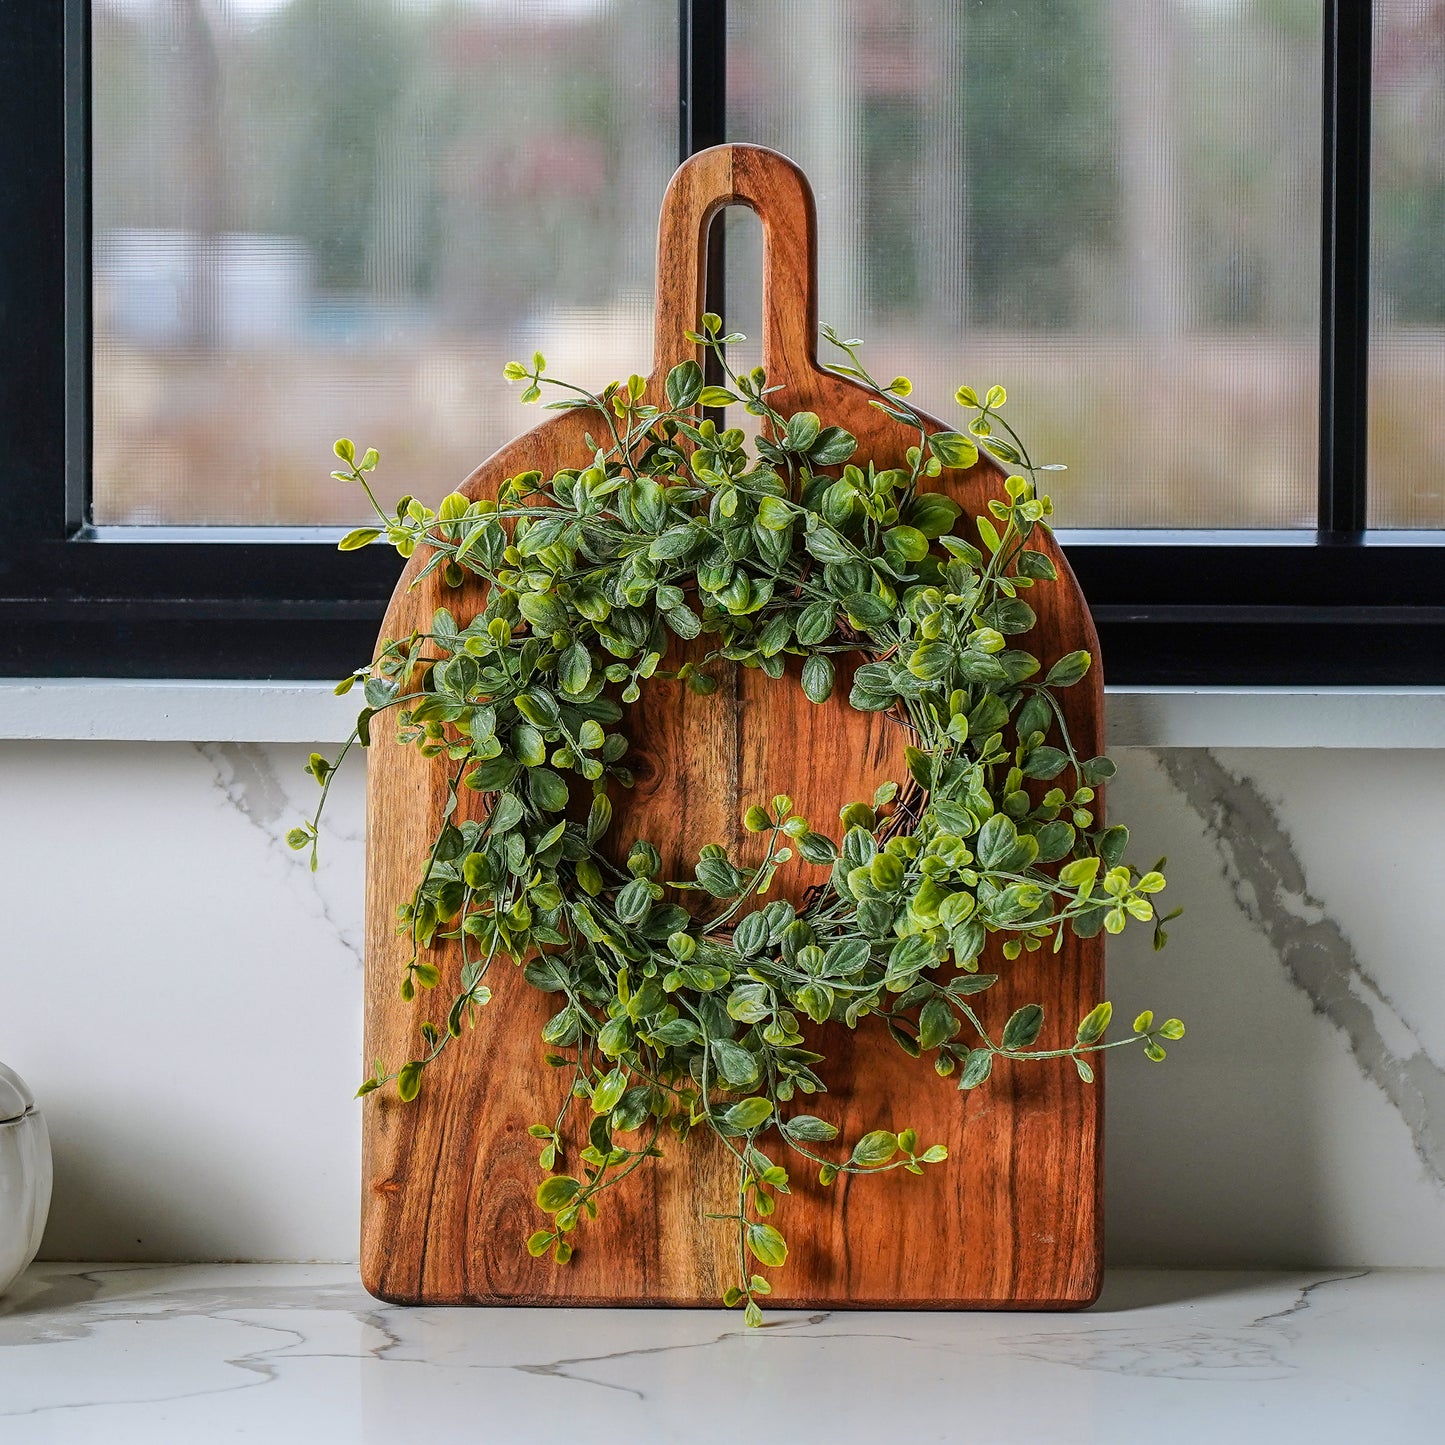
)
(1012, 1220)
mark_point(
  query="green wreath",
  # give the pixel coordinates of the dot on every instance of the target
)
(670, 1018)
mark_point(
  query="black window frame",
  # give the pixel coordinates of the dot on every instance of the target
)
(1337, 605)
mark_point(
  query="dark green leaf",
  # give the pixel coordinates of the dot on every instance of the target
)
(833, 446)
(546, 789)
(684, 384)
(818, 674)
(1023, 1026)
(936, 1024)
(738, 1067)
(810, 1129)
(977, 1067)
(815, 623)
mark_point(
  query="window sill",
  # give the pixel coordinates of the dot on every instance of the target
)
(112, 710)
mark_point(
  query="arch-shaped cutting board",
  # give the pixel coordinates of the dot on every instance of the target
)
(1012, 1220)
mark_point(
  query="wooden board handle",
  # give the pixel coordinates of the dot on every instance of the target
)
(773, 187)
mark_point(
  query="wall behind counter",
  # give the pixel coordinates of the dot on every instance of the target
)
(184, 997)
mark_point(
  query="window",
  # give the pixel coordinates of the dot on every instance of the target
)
(254, 225)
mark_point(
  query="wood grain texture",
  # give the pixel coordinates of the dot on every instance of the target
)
(1011, 1221)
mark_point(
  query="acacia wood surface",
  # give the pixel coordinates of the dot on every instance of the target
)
(1012, 1220)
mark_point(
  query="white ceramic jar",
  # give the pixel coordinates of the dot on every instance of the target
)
(24, 1177)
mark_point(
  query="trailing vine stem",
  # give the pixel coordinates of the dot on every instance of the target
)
(667, 1020)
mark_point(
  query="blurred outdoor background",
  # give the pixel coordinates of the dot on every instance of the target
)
(316, 218)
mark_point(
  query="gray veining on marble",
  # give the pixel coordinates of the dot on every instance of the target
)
(291, 1353)
(1318, 956)
(247, 776)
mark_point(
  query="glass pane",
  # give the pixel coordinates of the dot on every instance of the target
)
(1110, 207)
(1407, 267)
(317, 218)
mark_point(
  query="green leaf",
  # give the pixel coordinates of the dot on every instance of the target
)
(361, 537)
(933, 514)
(766, 1244)
(557, 1192)
(1045, 762)
(529, 745)
(905, 543)
(683, 621)
(867, 609)
(574, 668)
(816, 623)
(810, 1129)
(608, 1093)
(1036, 564)
(546, 789)
(816, 1000)
(832, 447)
(996, 840)
(845, 958)
(1023, 1026)
(408, 1081)
(684, 384)
(818, 673)
(953, 449)
(718, 877)
(827, 546)
(599, 818)
(875, 1149)
(817, 848)
(738, 1067)
(775, 514)
(977, 1067)
(1068, 670)
(1091, 1029)
(716, 396)
(751, 935)
(675, 542)
(748, 1114)
(802, 431)
(936, 1024)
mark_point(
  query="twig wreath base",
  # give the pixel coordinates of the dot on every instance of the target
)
(672, 1017)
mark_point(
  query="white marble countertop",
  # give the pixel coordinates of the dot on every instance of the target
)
(283, 1353)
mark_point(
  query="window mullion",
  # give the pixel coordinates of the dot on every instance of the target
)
(1344, 268)
(702, 115)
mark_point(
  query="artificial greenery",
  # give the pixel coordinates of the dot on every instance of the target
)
(690, 1003)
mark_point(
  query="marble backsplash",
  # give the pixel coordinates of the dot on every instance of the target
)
(184, 997)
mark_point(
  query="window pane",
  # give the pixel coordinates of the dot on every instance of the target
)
(1407, 266)
(1110, 207)
(317, 218)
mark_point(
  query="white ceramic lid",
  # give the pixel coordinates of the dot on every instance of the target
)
(15, 1097)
